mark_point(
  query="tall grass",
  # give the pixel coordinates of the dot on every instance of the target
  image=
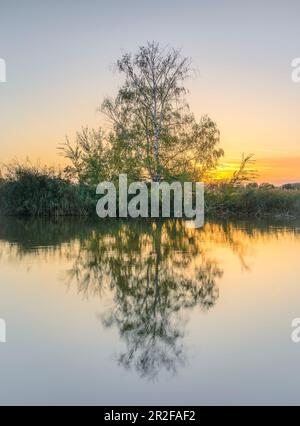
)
(33, 191)
(252, 201)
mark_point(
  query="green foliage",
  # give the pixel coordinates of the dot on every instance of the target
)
(27, 190)
(252, 201)
(31, 191)
(89, 156)
(291, 186)
(153, 134)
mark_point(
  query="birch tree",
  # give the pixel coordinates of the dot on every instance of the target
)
(153, 135)
(152, 126)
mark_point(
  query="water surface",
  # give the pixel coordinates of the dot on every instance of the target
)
(118, 313)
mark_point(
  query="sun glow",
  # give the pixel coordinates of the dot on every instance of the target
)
(269, 170)
(224, 171)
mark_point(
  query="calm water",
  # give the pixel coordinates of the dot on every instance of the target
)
(143, 313)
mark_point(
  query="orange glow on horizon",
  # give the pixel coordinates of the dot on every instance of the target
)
(277, 171)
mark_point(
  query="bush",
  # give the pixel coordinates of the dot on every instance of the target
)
(252, 201)
(31, 191)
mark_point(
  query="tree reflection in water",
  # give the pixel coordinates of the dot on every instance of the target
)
(155, 271)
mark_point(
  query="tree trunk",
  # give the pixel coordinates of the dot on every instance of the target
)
(156, 156)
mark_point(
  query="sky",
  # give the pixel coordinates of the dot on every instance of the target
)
(59, 57)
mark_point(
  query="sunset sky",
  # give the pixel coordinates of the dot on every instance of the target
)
(60, 55)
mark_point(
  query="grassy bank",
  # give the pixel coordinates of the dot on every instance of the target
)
(252, 202)
(32, 192)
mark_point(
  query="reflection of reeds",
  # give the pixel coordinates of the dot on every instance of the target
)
(66, 238)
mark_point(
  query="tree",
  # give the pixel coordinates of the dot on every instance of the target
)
(153, 136)
(152, 124)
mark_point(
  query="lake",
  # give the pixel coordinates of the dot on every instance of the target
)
(149, 313)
